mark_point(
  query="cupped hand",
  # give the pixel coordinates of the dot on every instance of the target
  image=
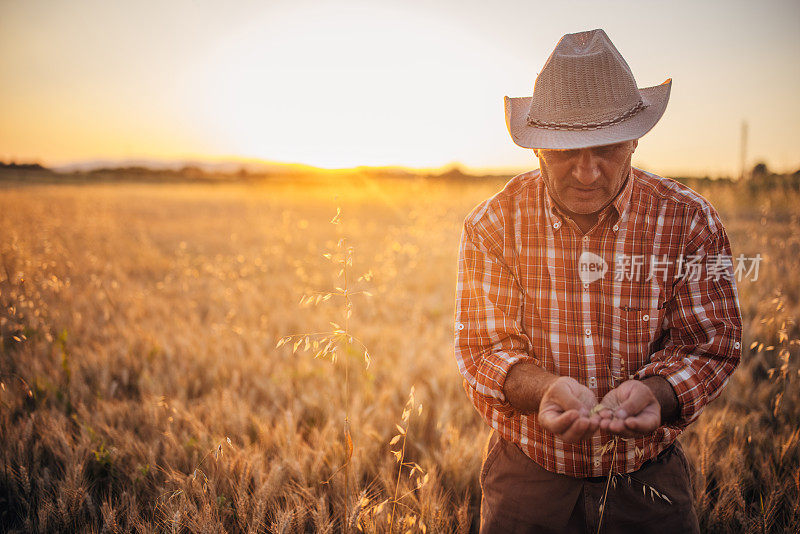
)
(630, 410)
(565, 410)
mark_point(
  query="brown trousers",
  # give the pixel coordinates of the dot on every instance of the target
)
(519, 496)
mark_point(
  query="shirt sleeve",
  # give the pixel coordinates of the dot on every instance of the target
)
(703, 346)
(488, 336)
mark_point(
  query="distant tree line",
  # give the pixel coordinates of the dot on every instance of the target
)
(759, 178)
(22, 166)
(762, 178)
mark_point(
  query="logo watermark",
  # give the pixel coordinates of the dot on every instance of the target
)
(591, 267)
(693, 268)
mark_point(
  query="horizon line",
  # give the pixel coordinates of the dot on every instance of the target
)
(251, 164)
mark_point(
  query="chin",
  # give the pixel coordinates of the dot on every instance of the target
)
(584, 209)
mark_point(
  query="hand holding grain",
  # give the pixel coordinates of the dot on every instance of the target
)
(565, 410)
(630, 410)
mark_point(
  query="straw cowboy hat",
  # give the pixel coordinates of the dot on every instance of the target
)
(585, 96)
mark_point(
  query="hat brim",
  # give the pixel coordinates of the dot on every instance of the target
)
(655, 98)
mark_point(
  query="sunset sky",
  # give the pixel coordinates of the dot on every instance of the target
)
(346, 83)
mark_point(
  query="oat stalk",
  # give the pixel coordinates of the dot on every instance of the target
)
(324, 344)
(608, 484)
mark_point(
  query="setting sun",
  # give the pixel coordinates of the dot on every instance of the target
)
(359, 85)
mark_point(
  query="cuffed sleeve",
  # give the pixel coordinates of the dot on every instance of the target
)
(488, 337)
(705, 332)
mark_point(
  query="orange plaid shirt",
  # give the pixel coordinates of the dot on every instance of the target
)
(522, 297)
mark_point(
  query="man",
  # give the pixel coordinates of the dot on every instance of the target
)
(596, 312)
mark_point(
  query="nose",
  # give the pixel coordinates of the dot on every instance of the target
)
(587, 168)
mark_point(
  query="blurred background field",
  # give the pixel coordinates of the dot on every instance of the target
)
(142, 389)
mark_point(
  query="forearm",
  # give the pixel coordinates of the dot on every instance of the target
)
(666, 397)
(525, 385)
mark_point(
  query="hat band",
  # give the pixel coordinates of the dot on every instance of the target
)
(586, 125)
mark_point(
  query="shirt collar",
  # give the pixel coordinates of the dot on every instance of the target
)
(623, 200)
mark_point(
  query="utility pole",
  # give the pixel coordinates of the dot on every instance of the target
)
(743, 151)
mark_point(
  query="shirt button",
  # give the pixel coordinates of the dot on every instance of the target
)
(597, 462)
(585, 286)
(616, 227)
(557, 225)
(588, 331)
(736, 345)
(592, 381)
(460, 326)
(645, 317)
(586, 239)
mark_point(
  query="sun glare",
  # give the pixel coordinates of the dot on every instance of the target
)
(339, 88)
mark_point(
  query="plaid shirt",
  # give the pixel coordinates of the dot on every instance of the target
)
(531, 287)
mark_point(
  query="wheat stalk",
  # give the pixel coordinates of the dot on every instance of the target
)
(400, 457)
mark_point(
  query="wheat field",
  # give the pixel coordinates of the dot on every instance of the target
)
(142, 388)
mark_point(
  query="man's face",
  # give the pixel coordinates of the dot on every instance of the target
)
(584, 181)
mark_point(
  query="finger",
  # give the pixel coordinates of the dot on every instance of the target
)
(576, 430)
(587, 432)
(594, 426)
(595, 421)
(634, 404)
(645, 423)
(560, 423)
(617, 426)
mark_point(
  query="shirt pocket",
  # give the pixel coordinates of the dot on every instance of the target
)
(639, 329)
